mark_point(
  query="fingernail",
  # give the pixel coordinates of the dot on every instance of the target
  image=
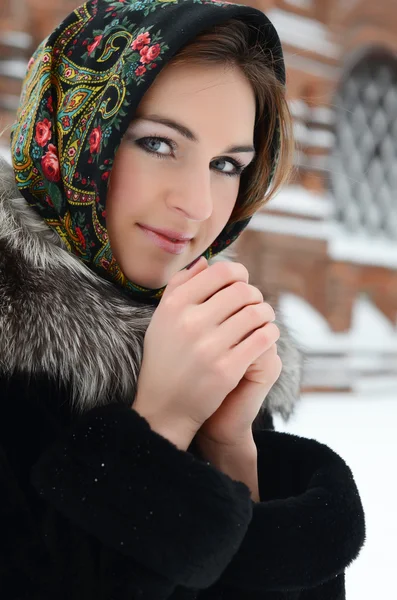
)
(193, 263)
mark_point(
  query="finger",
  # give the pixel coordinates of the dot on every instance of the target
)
(185, 275)
(240, 326)
(267, 355)
(269, 363)
(230, 300)
(266, 369)
(254, 345)
(266, 359)
(210, 281)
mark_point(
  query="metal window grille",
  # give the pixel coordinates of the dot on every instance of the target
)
(363, 169)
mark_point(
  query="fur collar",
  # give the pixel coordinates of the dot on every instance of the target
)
(60, 319)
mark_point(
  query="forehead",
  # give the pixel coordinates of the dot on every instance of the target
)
(204, 97)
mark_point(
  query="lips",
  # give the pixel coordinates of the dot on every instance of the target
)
(165, 243)
(174, 236)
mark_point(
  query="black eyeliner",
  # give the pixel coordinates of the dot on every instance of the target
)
(239, 166)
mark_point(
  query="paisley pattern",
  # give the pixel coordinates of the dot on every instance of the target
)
(81, 90)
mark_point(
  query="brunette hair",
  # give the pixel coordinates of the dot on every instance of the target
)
(235, 43)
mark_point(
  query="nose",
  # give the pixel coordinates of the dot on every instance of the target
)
(191, 195)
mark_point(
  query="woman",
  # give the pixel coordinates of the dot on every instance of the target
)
(135, 462)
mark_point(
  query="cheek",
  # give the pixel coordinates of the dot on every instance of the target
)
(225, 200)
(127, 190)
(223, 208)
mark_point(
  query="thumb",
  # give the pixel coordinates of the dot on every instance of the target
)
(186, 274)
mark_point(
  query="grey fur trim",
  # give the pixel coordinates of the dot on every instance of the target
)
(79, 330)
(286, 391)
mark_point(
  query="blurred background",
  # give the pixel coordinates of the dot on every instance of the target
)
(325, 248)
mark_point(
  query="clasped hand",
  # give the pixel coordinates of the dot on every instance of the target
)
(210, 357)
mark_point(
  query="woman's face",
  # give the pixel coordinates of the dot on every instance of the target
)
(178, 169)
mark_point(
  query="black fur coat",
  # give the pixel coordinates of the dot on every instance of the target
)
(94, 505)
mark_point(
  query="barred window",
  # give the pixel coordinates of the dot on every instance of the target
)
(363, 169)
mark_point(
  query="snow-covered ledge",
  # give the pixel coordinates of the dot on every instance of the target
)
(364, 358)
(343, 245)
(16, 39)
(347, 247)
(298, 200)
(306, 4)
(298, 227)
(322, 115)
(303, 32)
(370, 332)
(15, 68)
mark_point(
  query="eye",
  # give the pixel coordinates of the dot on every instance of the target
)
(233, 167)
(156, 145)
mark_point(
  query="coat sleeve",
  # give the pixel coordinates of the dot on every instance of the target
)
(333, 589)
(307, 528)
(138, 510)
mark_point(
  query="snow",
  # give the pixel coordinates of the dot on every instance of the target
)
(308, 65)
(303, 32)
(362, 429)
(13, 68)
(322, 114)
(299, 108)
(313, 137)
(16, 39)
(298, 200)
(300, 3)
(301, 133)
(362, 359)
(321, 138)
(290, 225)
(370, 329)
(343, 245)
(363, 250)
(300, 159)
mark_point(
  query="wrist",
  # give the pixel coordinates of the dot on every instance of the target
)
(177, 431)
(227, 454)
(243, 446)
(238, 460)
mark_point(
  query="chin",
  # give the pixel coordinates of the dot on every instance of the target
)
(159, 277)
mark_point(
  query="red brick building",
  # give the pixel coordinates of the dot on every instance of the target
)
(326, 246)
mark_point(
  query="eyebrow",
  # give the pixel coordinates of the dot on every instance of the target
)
(189, 135)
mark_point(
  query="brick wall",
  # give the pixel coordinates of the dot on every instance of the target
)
(303, 266)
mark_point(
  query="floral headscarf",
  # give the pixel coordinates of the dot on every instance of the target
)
(81, 90)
